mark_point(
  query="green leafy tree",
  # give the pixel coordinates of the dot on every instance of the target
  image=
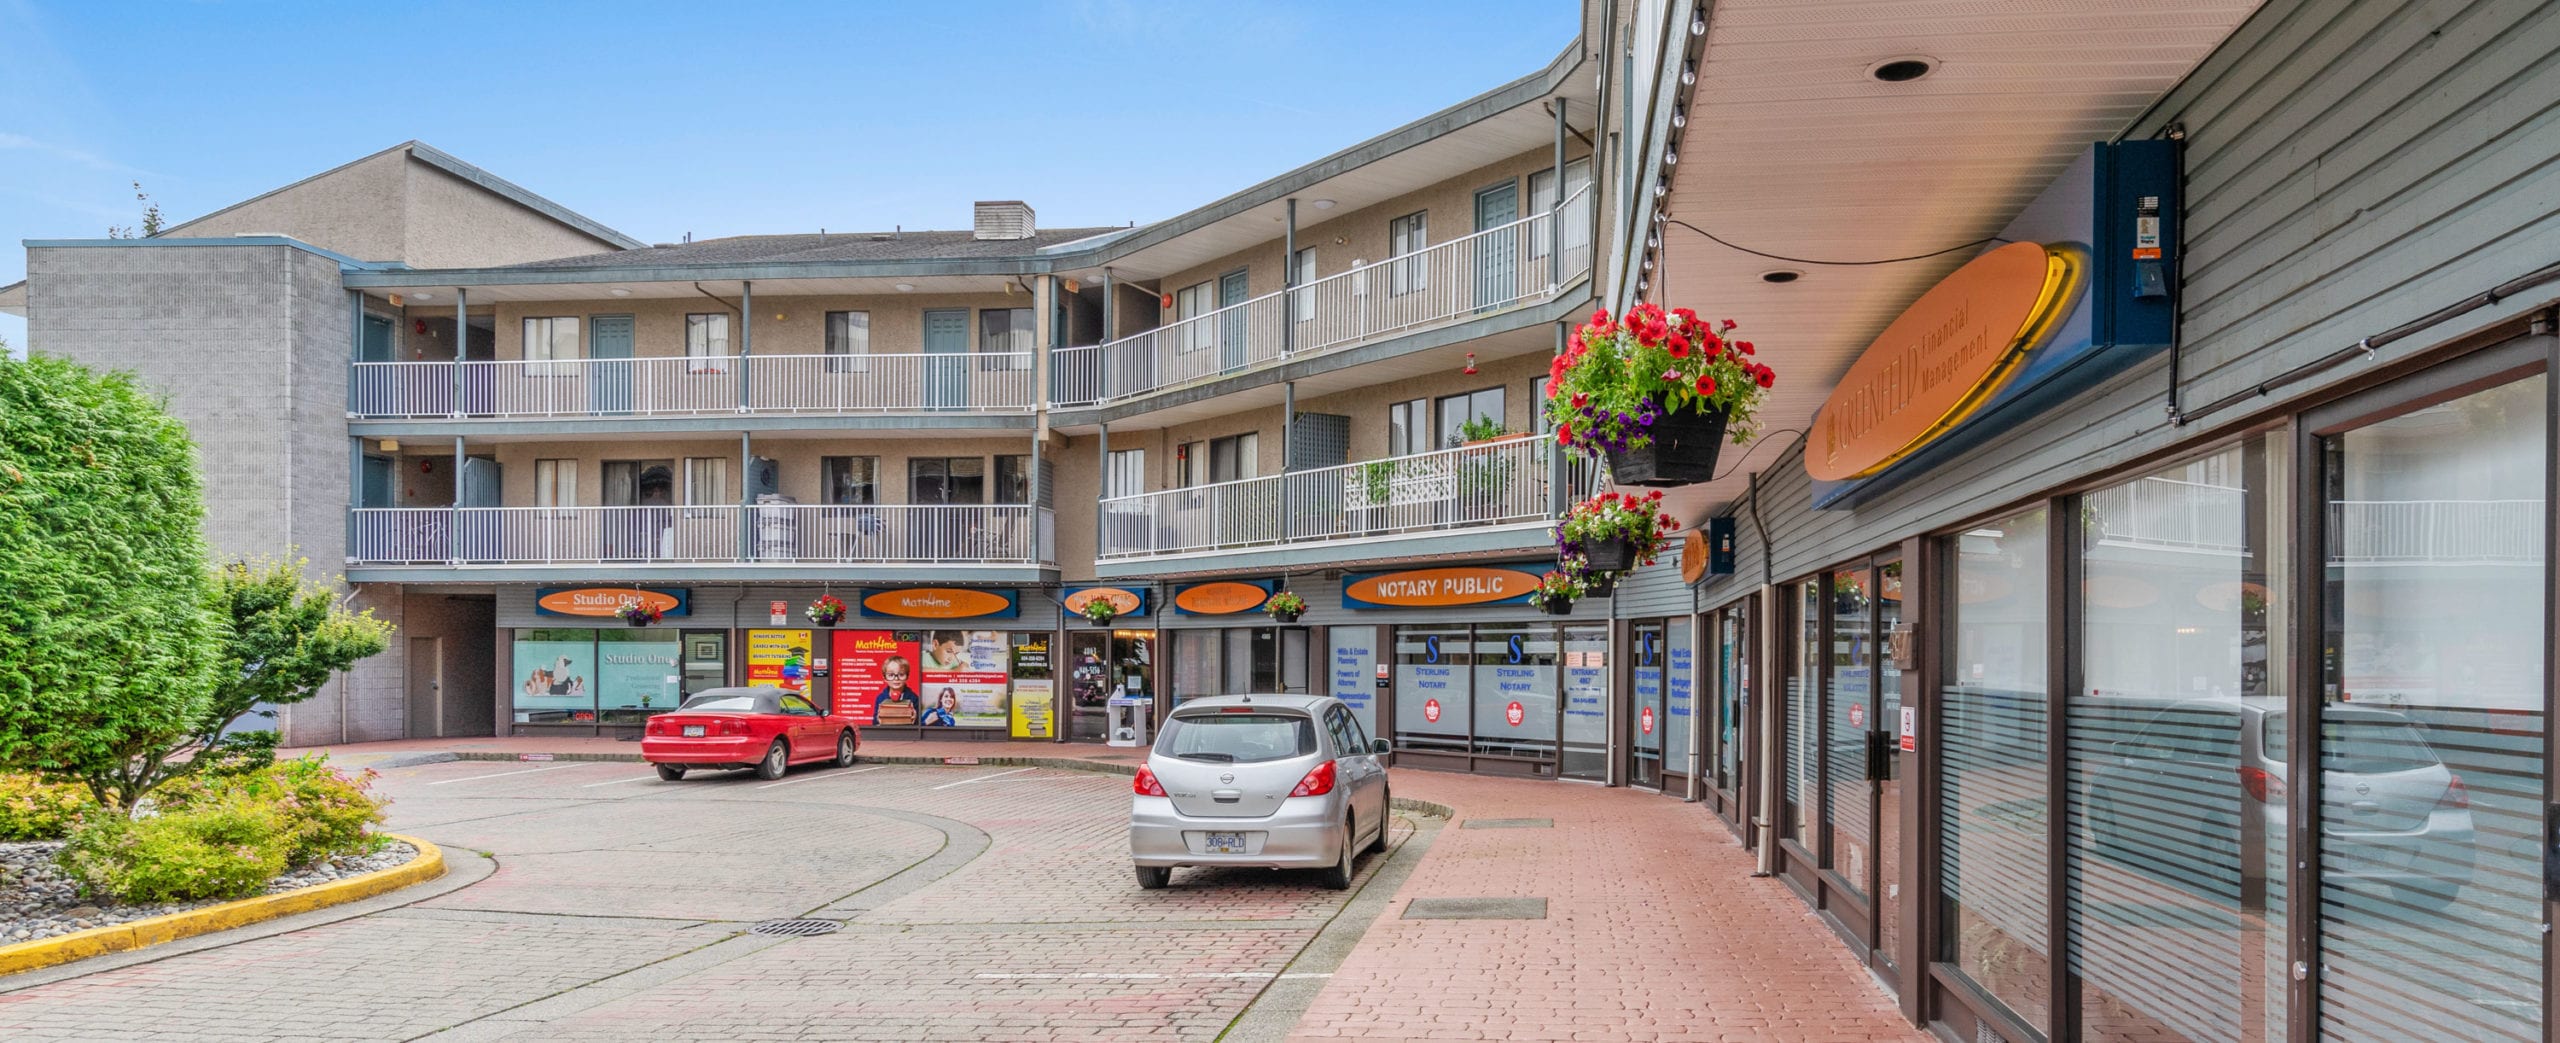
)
(285, 636)
(107, 651)
(152, 222)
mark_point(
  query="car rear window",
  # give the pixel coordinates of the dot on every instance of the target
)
(2354, 743)
(1238, 738)
(729, 703)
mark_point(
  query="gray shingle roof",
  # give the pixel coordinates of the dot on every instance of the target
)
(822, 248)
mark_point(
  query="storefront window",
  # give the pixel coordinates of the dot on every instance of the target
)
(2175, 846)
(2431, 730)
(1733, 686)
(1645, 677)
(1198, 664)
(1353, 655)
(1432, 704)
(1993, 769)
(637, 673)
(1804, 713)
(1586, 702)
(1849, 797)
(1516, 686)
(1679, 701)
(555, 676)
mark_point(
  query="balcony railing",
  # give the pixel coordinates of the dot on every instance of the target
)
(2436, 531)
(835, 385)
(1502, 483)
(1487, 271)
(800, 534)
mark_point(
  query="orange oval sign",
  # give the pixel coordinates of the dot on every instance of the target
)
(1693, 556)
(604, 601)
(1122, 602)
(1220, 599)
(1420, 588)
(937, 603)
(1942, 359)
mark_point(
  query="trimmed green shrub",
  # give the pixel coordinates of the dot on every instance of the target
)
(216, 849)
(33, 809)
(320, 810)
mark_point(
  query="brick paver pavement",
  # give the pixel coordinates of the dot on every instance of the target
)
(990, 903)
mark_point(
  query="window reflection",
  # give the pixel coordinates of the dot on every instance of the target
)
(1994, 771)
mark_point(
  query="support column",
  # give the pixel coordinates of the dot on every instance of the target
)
(461, 342)
(746, 516)
(355, 488)
(1555, 208)
(746, 347)
(1288, 450)
(1289, 301)
(453, 514)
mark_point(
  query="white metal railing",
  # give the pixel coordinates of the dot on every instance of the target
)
(2170, 512)
(2436, 531)
(1500, 483)
(1487, 271)
(789, 533)
(980, 382)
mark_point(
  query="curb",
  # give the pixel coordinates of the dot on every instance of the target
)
(122, 937)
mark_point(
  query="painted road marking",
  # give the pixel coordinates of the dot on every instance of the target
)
(829, 775)
(983, 778)
(504, 774)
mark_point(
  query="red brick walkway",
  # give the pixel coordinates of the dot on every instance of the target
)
(1654, 930)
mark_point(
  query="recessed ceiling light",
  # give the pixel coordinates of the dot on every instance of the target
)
(906, 287)
(422, 296)
(621, 292)
(1781, 275)
(1903, 68)
(1324, 204)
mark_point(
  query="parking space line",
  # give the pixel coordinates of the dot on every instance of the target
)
(829, 775)
(504, 774)
(983, 778)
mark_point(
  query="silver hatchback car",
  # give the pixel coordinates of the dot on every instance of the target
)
(1275, 781)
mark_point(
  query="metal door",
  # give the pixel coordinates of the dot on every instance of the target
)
(1497, 257)
(426, 687)
(946, 378)
(1233, 287)
(377, 340)
(609, 379)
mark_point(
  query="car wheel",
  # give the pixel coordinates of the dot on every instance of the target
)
(671, 772)
(1338, 878)
(777, 757)
(1154, 878)
(844, 750)
(1384, 802)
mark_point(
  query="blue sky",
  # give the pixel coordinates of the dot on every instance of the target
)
(665, 118)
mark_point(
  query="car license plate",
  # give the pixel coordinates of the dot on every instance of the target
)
(1224, 843)
(693, 731)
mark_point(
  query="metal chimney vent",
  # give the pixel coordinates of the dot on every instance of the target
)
(1004, 219)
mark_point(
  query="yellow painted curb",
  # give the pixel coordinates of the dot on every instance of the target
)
(98, 941)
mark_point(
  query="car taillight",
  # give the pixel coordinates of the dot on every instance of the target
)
(2457, 797)
(1317, 783)
(1147, 785)
(2262, 786)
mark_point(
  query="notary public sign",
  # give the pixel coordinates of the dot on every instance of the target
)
(1434, 588)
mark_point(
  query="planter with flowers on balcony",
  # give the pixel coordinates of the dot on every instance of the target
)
(1657, 393)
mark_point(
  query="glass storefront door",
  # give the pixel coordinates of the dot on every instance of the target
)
(1099, 664)
(1586, 702)
(1728, 745)
(1645, 723)
(1848, 795)
(2429, 747)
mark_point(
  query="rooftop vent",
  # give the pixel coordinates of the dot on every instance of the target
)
(1004, 219)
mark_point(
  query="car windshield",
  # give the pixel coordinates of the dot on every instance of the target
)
(729, 703)
(1238, 738)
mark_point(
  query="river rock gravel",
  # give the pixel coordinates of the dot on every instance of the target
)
(37, 901)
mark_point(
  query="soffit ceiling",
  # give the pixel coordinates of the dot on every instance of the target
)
(1792, 148)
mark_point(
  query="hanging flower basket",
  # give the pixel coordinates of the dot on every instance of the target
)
(827, 611)
(1612, 533)
(1657, 393)
(1285, 607)
(1100, 612)
(1557, 591)
(640, 615)
(1602, 584)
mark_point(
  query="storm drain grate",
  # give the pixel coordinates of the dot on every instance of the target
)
(1476, 909)
(796, 928)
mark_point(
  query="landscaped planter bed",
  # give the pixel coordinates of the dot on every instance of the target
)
(38, 901)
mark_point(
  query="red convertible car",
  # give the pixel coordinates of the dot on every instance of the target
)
(767, 729)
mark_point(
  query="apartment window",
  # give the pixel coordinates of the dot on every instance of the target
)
(947, 479)
(848, 340)
(1013, 478)
(706, 338)
(1302, 266)
(1006, 332)
(706, 481)
(550, 342)
(1127, 474)
(1456, 410)
(1407, 237)
(1189, 463)
(1192, 302)
(1235, 457)
(555, 483)
(639, 483)
(852, 480)
(1406, 424)
(1542, 198)
(1538, 405)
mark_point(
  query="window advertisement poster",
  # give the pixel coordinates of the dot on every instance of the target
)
(555, 675)
(1354, 672)
(965, 678)
(874, 677)
(779, 658)
(1678, 692)
(637, 672)
(1033, 704)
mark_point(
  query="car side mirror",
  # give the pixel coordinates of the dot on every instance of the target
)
(1380, 746)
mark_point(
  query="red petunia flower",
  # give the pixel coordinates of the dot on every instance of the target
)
(1706, 386)
(1744, 347)
(1768, 378)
